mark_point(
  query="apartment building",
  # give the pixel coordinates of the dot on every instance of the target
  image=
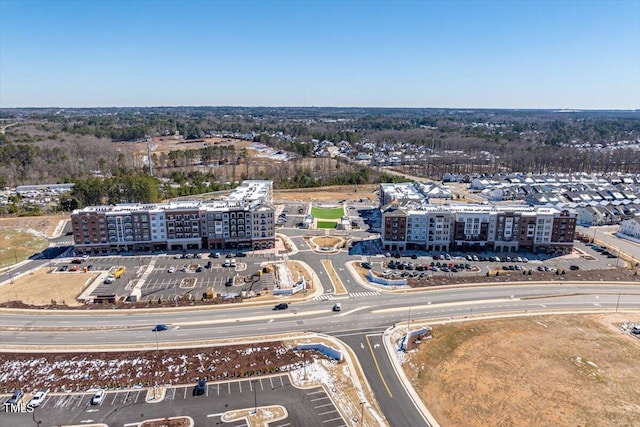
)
(245, 219)
(412, 226)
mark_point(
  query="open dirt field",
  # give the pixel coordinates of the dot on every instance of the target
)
(21, 237)
(326, 194)
(565, 370)
(40, 288)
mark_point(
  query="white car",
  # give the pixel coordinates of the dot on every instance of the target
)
(98, 397)
(171, 270)
(39, 397)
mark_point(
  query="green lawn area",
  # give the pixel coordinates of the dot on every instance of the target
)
(327, 213)
(326, 224)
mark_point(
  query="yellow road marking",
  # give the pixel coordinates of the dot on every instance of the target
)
(378, 367)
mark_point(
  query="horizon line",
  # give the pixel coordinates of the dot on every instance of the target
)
(555, 109)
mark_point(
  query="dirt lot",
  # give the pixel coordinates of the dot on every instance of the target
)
(566, 370)
(324, 194)
(23, 236)
(41, 287)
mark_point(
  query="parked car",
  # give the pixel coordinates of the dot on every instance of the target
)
(215, 255)
(574, 267)
(241, 254)
(200, 388)
(76, 261)
(230, 255)
(98, 397)
(281, 306)
(160, 327)
(64, 268)
(366, 265)
(171, 269)
(199, 269)
(16, 397)
(208, 264)
(337, 307)
(39, 397)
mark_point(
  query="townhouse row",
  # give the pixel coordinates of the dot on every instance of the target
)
(244, 219)
(413, 226)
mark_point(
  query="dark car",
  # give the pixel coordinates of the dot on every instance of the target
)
(574, 267)
(208, 264)
(366, 265)
(230, 255)
(201, 388)
(414, 256)
(160, 327)
(64, 268)
(199, 270)
(281, 306)
(15, 397)
(241, 254)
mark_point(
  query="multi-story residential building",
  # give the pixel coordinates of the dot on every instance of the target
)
(414, 226)
(242, 220)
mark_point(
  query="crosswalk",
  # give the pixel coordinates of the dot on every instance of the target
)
(328, 297)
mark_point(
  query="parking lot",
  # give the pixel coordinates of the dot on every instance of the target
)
(123, 407)
(167, 276)
(420, 265)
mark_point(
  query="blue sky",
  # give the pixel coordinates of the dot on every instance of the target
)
(459, 54)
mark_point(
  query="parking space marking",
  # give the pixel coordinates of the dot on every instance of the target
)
(80, 401)
(332, 419)
(327, 412)
(261, 386)
(240, 386)
(315, 392)
(218, 388)
(318, 398)
(185, 393)
(229, 387)
(322, 406)
(173, 397)
(271, 381)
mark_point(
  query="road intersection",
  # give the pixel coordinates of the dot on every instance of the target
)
(367, 313)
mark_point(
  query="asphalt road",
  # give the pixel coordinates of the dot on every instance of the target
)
(365, 314)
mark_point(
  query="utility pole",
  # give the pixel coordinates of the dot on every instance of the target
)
(362, 413)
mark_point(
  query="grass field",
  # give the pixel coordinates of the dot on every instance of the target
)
(327, 213)
(326, 224)
(17, 246)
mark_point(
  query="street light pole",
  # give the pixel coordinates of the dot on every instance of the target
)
(362, 413)
(618, 302)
